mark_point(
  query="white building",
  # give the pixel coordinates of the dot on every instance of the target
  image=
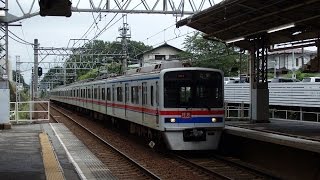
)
(290, 59)
(164, 52)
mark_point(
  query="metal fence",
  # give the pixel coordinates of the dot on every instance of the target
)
(299, 94)
(28, 111)
(243, 113)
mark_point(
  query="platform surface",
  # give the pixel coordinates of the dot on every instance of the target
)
(20, 153)
(21, 156)
(297, 134)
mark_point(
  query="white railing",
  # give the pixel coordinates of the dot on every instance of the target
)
(26, 111)
(243, 113)
(298, 94)
(237, 112)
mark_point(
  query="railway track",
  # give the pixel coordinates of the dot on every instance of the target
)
(208, 166)
(113, 152)
(223, 168)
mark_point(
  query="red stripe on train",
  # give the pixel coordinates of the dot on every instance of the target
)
(154, 111)
(193, 112)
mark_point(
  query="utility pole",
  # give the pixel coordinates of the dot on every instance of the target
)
(35, 69)
(124, 35)
(18, 80)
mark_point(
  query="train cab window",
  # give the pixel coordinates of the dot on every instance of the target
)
(95, 93)
(103, 93)
(185, 94)
(151, 95)
(119, 94)
(193, 89)
(108, 94)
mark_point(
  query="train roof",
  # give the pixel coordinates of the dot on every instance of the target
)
(138, 72)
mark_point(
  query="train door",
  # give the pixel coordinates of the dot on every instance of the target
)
(126, 98)
(157, 103)
(113, 99)
(99, 99)
(144, 101)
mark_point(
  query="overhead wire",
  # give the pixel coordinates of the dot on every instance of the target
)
(158, 32)
(174, 38)
(24, 37)
(23, 41)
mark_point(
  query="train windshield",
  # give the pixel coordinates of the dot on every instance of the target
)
(193, 89)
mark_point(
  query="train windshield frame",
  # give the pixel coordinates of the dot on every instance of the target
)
(193, 89)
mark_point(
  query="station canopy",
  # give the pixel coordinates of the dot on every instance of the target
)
(238, 21)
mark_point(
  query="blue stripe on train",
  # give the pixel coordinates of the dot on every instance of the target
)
(195, 120)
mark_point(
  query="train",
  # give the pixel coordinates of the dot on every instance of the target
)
(181, 106)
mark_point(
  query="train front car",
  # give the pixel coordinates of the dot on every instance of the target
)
(192, 110)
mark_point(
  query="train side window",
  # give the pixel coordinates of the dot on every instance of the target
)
(103, 95)
(135, 94)
(132, 95)
(119, 94)
(108, 94)
(151, 95)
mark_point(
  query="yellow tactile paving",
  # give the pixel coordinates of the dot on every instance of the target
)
(51, 164)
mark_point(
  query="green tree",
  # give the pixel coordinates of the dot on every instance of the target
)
(14, 74)
(213, 54)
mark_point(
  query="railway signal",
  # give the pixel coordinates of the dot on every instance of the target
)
(55, 8)
(39, 71)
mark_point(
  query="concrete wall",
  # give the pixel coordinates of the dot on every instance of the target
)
(4, 102)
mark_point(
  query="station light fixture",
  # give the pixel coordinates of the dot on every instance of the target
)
(235, 40)
(280, 28)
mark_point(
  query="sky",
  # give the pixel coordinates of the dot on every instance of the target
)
(151, 29)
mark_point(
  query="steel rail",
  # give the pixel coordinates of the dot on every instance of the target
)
(146, 171)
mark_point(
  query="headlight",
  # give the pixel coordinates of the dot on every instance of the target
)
(214, 120)
(173, 120)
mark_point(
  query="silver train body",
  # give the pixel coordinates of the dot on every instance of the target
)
(184, 104)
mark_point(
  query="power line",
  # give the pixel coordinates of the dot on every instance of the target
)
(158, 32)
(24, 41)
(174, 38)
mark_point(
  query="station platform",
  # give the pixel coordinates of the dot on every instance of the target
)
(297, 134)
(47, 151)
